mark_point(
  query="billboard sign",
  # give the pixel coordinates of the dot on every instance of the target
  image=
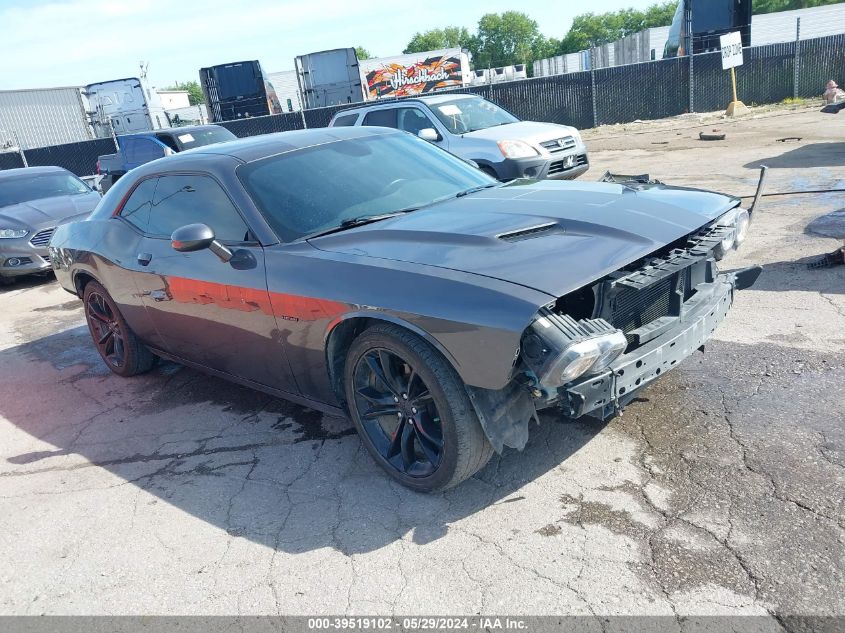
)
(398, 79)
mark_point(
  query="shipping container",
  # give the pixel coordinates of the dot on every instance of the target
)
(237, 91)
(286, 86)
(329, 78)
(43, 117)
(697, 26)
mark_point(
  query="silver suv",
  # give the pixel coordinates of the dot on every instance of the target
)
(475, 129)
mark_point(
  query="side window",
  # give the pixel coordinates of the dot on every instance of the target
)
(168, 140)
(413, 120)
(141, 150)
(345, 120)
(136, 210)
(383, 118)
(181, 200)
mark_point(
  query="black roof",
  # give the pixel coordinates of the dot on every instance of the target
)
(187, 129)
(256, 147)
(31, 171)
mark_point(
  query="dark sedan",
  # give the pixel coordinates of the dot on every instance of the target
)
(365, 271)
(33, 201)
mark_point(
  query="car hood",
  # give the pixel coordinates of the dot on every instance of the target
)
(587, 230)
(523, 130)
(48, 212)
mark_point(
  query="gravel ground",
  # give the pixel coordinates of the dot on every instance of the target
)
(720, 490)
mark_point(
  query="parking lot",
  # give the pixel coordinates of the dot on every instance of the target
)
(721, 490)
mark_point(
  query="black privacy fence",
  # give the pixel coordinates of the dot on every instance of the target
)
(620, 94)
(80, 158)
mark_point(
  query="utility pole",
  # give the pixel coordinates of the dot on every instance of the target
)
(796, 64)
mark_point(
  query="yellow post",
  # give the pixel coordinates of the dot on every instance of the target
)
(736, 106)
(733, 82)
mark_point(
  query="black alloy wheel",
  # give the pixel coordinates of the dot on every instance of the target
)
(412, 410)
(117, 344)
(105, 329)
(398, 413)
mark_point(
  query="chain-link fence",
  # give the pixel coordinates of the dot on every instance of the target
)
(618, 94)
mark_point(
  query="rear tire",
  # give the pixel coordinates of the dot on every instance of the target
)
(437, 442)
(117, 344)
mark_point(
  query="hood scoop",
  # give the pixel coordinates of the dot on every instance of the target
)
(531, 232)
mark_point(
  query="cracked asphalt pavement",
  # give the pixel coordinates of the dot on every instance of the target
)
(720, 491)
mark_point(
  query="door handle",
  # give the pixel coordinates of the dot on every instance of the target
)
(144, 258)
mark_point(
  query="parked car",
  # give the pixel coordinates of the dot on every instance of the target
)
(476, 129)
(137, 149)
(364, 271)
(33, 201)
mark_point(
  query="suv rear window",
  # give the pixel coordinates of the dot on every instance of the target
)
(382, 118)
(345, 120)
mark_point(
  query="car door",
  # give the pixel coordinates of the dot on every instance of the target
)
(207, 311)
(138, 150)
(399, 117)
(413, 120)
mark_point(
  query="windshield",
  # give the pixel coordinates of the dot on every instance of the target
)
(468, 115)
(198, 138)
(36, 187)
(315, 189)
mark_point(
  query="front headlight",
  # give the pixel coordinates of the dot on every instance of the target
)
(575, 361)
(559, 349)
(611, 345)
(517, 149)
(743, 221)
(738, 221)
(8, 234)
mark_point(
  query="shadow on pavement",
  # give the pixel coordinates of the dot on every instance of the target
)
(258, 467)
(807, 156)
(28, 281)
(796, 276)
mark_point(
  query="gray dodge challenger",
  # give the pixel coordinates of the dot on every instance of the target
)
(33, 201)
(363, 271)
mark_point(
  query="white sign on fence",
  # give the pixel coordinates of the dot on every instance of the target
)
(731, 44)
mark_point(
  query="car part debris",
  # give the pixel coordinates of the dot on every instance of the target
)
(833, 108)
(836, 258)
(759, 193)
(715, 135)
(791, 139)
(623, 179)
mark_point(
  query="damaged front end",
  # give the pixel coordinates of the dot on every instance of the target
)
(591, 351)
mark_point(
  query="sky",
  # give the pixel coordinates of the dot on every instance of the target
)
(47, 43)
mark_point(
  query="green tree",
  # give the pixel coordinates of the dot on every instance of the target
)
(506, 38)
(193, 88)
(590, 29)
(449, 37)
(362, 52)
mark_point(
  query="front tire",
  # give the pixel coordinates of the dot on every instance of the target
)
(412, 410)
(117, 344)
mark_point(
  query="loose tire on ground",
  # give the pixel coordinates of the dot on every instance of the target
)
(465, 449)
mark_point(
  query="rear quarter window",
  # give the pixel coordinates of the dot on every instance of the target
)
(381, 118)
(346, 120)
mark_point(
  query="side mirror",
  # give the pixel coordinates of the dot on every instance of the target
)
(469, 161)
(197, 237)
(429, 134)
